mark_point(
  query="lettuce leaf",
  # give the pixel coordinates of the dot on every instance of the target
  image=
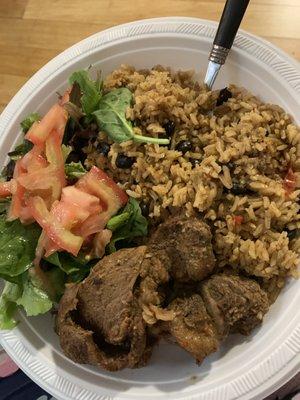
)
(90, 89)
(34, 300)
(76, 268)
(29, 121)
(17, 246)
(127, 225)
(66, 150)
(17, 252)
(4, 205)
(8, 305)
(20, 150)
(75, 170)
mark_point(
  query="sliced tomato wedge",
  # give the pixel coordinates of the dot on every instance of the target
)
(33, 158)
(93, 224)
(68, 214)
(18, 193)
(5, 189)
(40, 249)
(289, 182)
(37, 162)
(97, 183)
(42, 179)
(54, 120)
(86, 201)
(54, 230)
(65, 97)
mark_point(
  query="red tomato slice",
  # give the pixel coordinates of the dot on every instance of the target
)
(5, 189)
(40, 179)
(97, 183)
(55, 156)
(18, 193)
(93, 224)
(68, 215)
(33, 158)
(62, 237)
(86, 201)
(65, 97)
(37, 162)
(54, 120)
(39, 251)
(50, 248)
(289, 182)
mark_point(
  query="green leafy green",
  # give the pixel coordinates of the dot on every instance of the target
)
(56, 280)
(75, 95)
(111, 118)
(66, 150)
(69, 130)
(65, 261)
(75, 170)
(20, 150)
(4, 205)
(91, 94)
(27, 294)
(17, 251)
(17, 246)
(76, 268)
(29, 121)
(34, 300)
(127, 225)
(8, 306)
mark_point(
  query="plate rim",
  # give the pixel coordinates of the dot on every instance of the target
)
(289, 71)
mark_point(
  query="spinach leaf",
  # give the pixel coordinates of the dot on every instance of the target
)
(4, 205)
(8, 171)
(66, 262)
(82, 273)
(70, 129)
(75, 95)
(111, 118)
(29, 121)
(56, 280)
(90, 91)
(20, 150)
(76, 268)
(8, 306)
(75, 170)
(17, 246)
(127, 225)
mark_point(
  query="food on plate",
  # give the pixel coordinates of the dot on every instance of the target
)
(144, 206)
(187, 242)
(113, 318)
(222, 304)
(99, 321)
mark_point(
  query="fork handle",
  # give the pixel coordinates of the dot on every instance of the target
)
(232, 16)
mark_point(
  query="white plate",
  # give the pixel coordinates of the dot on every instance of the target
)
(244, 368)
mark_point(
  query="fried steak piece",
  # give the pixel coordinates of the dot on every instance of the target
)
(99, 320)
(135, 296)
(187, 243)
(223, 304)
